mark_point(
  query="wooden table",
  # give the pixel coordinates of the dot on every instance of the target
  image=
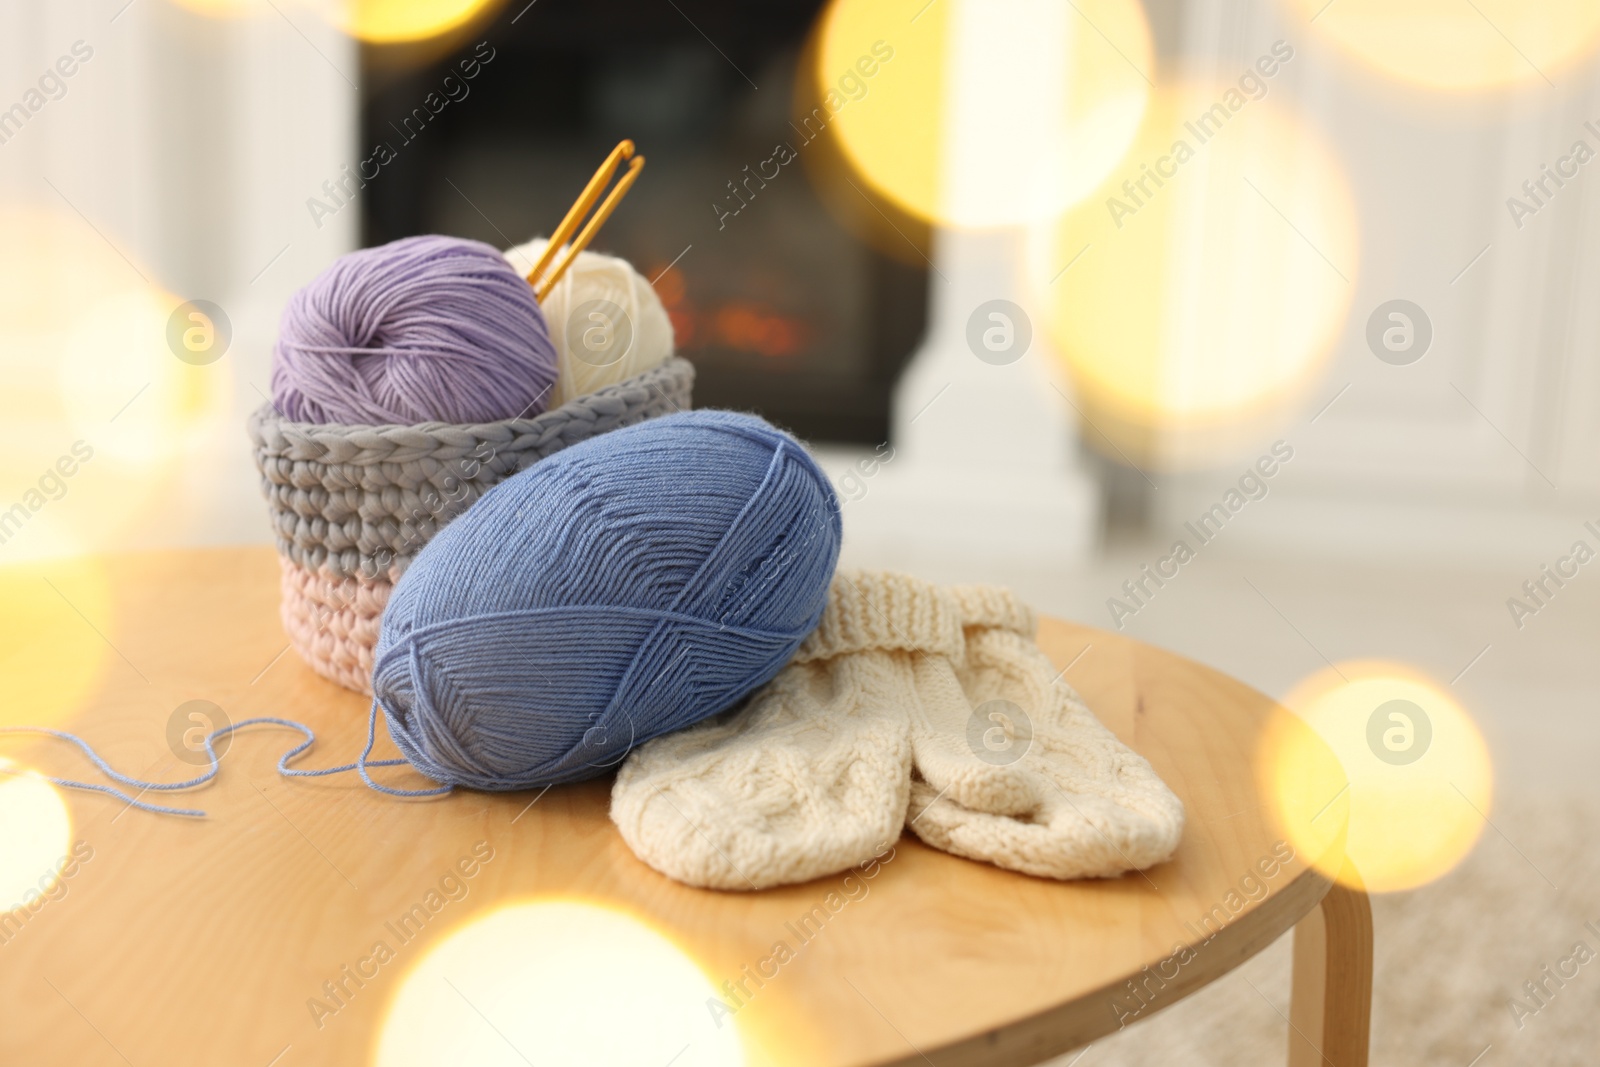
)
(186, 941)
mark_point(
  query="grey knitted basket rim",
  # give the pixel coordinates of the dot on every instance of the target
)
(335, 443)
(359, 500)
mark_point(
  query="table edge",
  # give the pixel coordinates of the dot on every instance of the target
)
(1033, 1039)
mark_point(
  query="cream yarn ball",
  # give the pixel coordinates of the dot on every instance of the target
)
(595, 346)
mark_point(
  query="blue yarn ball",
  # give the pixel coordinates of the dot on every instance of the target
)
(628, 586)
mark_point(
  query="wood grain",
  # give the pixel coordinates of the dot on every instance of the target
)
(200, 941)
(1331, 1010)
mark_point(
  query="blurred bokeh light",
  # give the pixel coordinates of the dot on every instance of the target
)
(224, 8)
(1460, 45)
(384, 22)
(35, 831)
(1416, 782)
(564, 981)
(50, 655)
(983, 114)
(89, 372)
(398, 21)
(116, 354)
(1197, 292)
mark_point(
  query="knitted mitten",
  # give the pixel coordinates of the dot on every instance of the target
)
(811, 775)
(1012, 768)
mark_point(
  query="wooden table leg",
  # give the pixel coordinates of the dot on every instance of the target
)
(1330, 1009)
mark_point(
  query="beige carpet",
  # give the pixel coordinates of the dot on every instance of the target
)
(1449, 957)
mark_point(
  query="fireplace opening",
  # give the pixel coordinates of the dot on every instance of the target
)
(783, 310)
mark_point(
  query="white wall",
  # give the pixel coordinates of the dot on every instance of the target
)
(181, 155)
(1402, 464)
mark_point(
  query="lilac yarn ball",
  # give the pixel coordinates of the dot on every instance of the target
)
(423, 329)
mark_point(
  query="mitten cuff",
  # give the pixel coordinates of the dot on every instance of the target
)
(994, 607)
(882, 610)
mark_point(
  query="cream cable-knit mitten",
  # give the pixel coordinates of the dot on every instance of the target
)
(812, 774)
(1018, 772)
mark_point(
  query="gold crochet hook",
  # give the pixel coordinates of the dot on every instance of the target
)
(591, 193)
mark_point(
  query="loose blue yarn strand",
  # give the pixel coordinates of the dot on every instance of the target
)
(360, 765)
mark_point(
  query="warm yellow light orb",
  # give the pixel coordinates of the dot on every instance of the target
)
(1416, 782)
(399, 21)
(35, 836)
(53, 269)
(126, 389)
(1202, 285)
(1454, 45)
(225, 8)
(89, 372)
(373, 21)
(50, 655)
(556, 982)
(982, 113)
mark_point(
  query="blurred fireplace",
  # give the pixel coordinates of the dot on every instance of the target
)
(782, 310)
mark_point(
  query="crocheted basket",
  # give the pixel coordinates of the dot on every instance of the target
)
(352, 505)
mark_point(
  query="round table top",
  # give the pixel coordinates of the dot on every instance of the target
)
(215, 940)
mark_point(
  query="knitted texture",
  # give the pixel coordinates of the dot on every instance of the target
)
(814, 774)
(632, 585)
(360, 500)
(877, 610)
(333, 621)
(890, 707)
(605, 320)
(1018, 772)
(420, 329)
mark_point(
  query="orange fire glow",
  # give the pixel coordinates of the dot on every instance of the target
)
(741, 325)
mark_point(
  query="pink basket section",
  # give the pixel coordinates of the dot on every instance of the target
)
(333, 621)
